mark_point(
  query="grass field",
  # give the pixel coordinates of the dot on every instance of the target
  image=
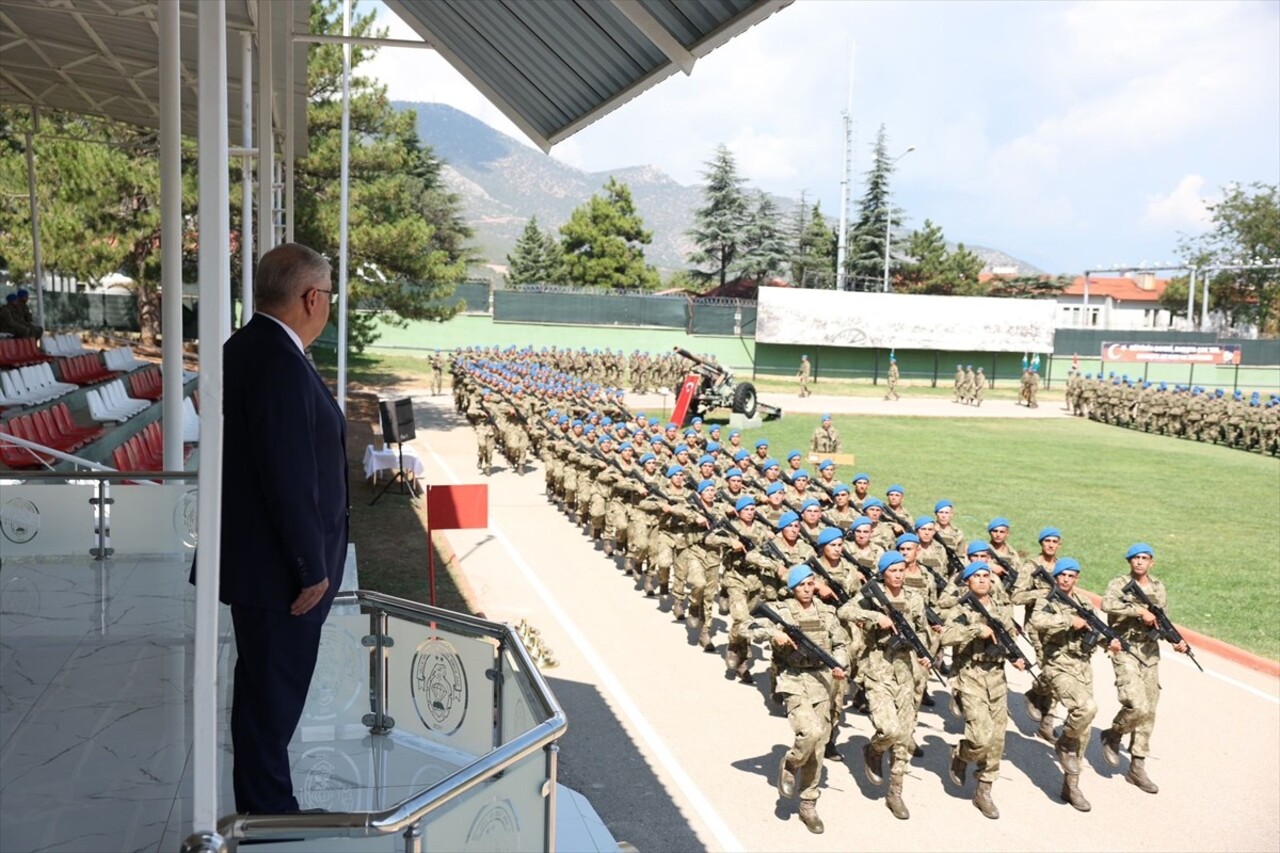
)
(1211, 514)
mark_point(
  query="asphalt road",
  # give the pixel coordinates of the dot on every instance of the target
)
(675, 757)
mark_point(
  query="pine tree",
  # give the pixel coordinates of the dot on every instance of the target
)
(814, 263)
(536, 257)
(764, 246)
(719, 224)
(931, 268)
(602, 243)
(866, 238)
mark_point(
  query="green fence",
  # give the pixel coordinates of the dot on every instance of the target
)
(1087, 343)
(588, 309)
(931, 366)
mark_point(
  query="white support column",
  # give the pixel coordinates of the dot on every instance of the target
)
(246, 178)
(289, 131)
(170, 22)
(342, 209)
(37, 261)
(215, 272)
(1204, 306)
(266, 131)
(1084, 303)
(1191, 299)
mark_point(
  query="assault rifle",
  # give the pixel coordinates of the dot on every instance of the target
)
(1164, 627)
(887, 512)
(802, 641)
(875, 596)
(1008, 647)
(939, 582)
(842, 595)
(1010, 573)
(1100, 633)
(954, 563)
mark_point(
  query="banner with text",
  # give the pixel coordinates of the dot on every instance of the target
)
(1228, 354)
(906, 320)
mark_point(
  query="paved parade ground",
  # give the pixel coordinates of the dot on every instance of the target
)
(675, 757)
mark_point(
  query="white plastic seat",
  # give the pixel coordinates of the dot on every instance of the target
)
(190, 422)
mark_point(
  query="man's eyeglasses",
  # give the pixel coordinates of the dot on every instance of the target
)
(333, 295)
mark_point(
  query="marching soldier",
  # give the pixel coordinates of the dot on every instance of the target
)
(803, 375)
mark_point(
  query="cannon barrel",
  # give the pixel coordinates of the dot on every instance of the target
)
(702, 362)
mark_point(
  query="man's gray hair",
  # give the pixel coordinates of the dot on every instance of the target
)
(286, 272)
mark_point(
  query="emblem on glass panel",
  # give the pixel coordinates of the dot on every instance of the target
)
(19, 520)
(185, 518)
(330, 780)
(439, 686)
(335, 686)
(496, 829)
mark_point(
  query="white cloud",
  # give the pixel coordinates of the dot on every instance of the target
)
(1183, 208)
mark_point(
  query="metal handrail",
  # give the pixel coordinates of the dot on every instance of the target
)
(102, 473)
(405, 816)
(50, 451)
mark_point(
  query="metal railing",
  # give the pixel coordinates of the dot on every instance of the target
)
(409, 817)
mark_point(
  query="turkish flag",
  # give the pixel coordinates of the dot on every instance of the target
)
(684, 402)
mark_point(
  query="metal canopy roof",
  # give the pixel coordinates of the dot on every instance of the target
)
(102, 57)
(555, 66)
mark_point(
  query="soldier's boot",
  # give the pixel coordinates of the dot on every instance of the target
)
(732, 660)
(958, 768)
(677, 609)
(724, 604)
(809, 817)
(859, 701)
(1045, 732)
(648, 586)
(1067, 751)
(695, 615)
(608, 547)
(1071, 792)
(1110, 746)
(597, 532)
(928, 701)
(704, 638)
(830, 751)
(1137, 775)
(1035, 705)
(982, 800)
(954, 705)
(873, 765)
(744, 669)
(629, 565)
(914, 748)
(664, 589)
(894, 800)
(786, 780)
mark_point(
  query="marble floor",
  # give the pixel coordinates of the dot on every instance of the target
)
(95, 720)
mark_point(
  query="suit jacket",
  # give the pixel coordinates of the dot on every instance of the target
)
(284, 474)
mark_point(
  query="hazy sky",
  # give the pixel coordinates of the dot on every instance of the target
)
(1067, 134)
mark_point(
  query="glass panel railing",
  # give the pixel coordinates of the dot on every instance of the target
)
(508, 813)
(46, 519)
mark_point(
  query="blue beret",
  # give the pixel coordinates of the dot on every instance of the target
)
(826, 417)
(641, 416)
(744, 502)
(895, 488)
(857, 477)
(825, 464)
(796, 475)
(793, 454)
(740, 454)
(673, 470)
(706, 459)
(798, 575)
(647, 458)
(671, 425)
(1140, 548)
(682, 448)
(11, 297)
(1067, 564)
(977, 548)
(590, 430)
(715, 428)
(973, 568)
(734, 432)
(861, 521)
(706, 484)
(998, 521)
(626, 445)
(22, 291)
(731, 473)
(906, 538)
(942, 504)
(773, 489)
(840, 489)
(563, 419)
(787, 518)
(1046, 532)
(577, 422)
(829, 535)
(606, 421)
(696, 420)
(769, 463)
(713, 446)
(872, 502)
(762, 443)
(887, 559)
(809, 503)
(924, 521)
(690, 431)
(657, 439)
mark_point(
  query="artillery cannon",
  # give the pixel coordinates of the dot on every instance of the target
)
(718, 389)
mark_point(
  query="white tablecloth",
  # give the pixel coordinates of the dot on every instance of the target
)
(388, 459)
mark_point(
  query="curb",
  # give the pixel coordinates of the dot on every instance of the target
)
(1196, 640)
(449, 560)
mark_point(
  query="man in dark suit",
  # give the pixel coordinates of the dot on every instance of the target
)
(284, 516)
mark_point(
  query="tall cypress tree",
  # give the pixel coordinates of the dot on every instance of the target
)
(764, 248)
(719, 224)
(866, 238)
(536, 256)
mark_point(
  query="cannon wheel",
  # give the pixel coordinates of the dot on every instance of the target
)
(744, 400)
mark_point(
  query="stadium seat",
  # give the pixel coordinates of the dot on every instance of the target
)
(19, 352)
(14, 456)
(146, 385)
(122, 359)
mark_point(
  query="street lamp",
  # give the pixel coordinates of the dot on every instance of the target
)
(888, 219)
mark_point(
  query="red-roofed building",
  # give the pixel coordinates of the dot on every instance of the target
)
(1107, 302)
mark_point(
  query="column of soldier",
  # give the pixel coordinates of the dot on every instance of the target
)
(857, 597)
(1193, 412)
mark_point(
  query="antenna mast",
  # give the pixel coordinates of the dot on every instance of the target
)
(842, 244)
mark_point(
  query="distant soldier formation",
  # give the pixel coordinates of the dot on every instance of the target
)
(860, 602)
(1249, 423)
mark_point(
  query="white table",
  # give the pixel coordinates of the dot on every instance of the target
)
(388, 459)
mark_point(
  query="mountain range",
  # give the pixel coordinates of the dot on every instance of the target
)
(503, 182)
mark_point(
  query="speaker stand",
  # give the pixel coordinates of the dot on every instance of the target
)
(399, 477)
